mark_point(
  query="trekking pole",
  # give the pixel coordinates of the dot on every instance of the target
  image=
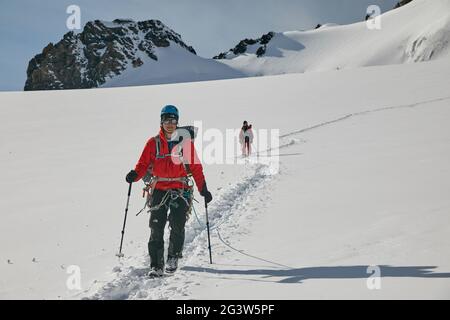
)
(207, 228)
(120, 254)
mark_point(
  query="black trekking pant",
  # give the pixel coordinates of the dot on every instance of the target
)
(178, 209)
(246, 148)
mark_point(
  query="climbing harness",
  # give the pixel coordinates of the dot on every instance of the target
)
(171, 195)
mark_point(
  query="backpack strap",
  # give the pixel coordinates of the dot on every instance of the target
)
(158, 148)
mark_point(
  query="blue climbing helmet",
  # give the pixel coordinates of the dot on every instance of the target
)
(169, 112)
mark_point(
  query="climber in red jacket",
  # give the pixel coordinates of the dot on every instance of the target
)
(172, 159)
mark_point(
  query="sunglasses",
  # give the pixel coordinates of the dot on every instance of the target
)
(170, 121)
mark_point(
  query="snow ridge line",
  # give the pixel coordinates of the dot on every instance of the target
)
(358, 114)
(131, 281)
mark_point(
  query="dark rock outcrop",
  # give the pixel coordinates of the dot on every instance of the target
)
(402, 3)
(101, 51)
(242, 47)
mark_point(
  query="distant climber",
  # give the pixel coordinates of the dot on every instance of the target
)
(246, 138)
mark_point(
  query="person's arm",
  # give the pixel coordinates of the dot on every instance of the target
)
(147, 158)
(194, 164)
(197, 172)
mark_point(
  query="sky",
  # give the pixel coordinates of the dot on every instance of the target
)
(210, 26)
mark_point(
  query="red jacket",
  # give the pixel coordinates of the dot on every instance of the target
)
(170, 166)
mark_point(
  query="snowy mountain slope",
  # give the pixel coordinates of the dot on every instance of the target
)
(418, 31)
(363, 180)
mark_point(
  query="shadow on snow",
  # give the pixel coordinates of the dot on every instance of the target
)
(297, 275)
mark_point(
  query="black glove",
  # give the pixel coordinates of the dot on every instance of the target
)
(206, 194)
(131, 176)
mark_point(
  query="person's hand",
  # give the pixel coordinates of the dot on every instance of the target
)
(206, 194)
(131, 176)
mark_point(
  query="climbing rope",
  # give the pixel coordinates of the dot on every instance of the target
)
(216, 227)
(249, 255)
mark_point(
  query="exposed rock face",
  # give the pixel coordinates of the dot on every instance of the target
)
(402, 3)
(101, 51)
(242, 47)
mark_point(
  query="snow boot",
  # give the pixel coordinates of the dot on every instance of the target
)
(156, 272)
(172, 264)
